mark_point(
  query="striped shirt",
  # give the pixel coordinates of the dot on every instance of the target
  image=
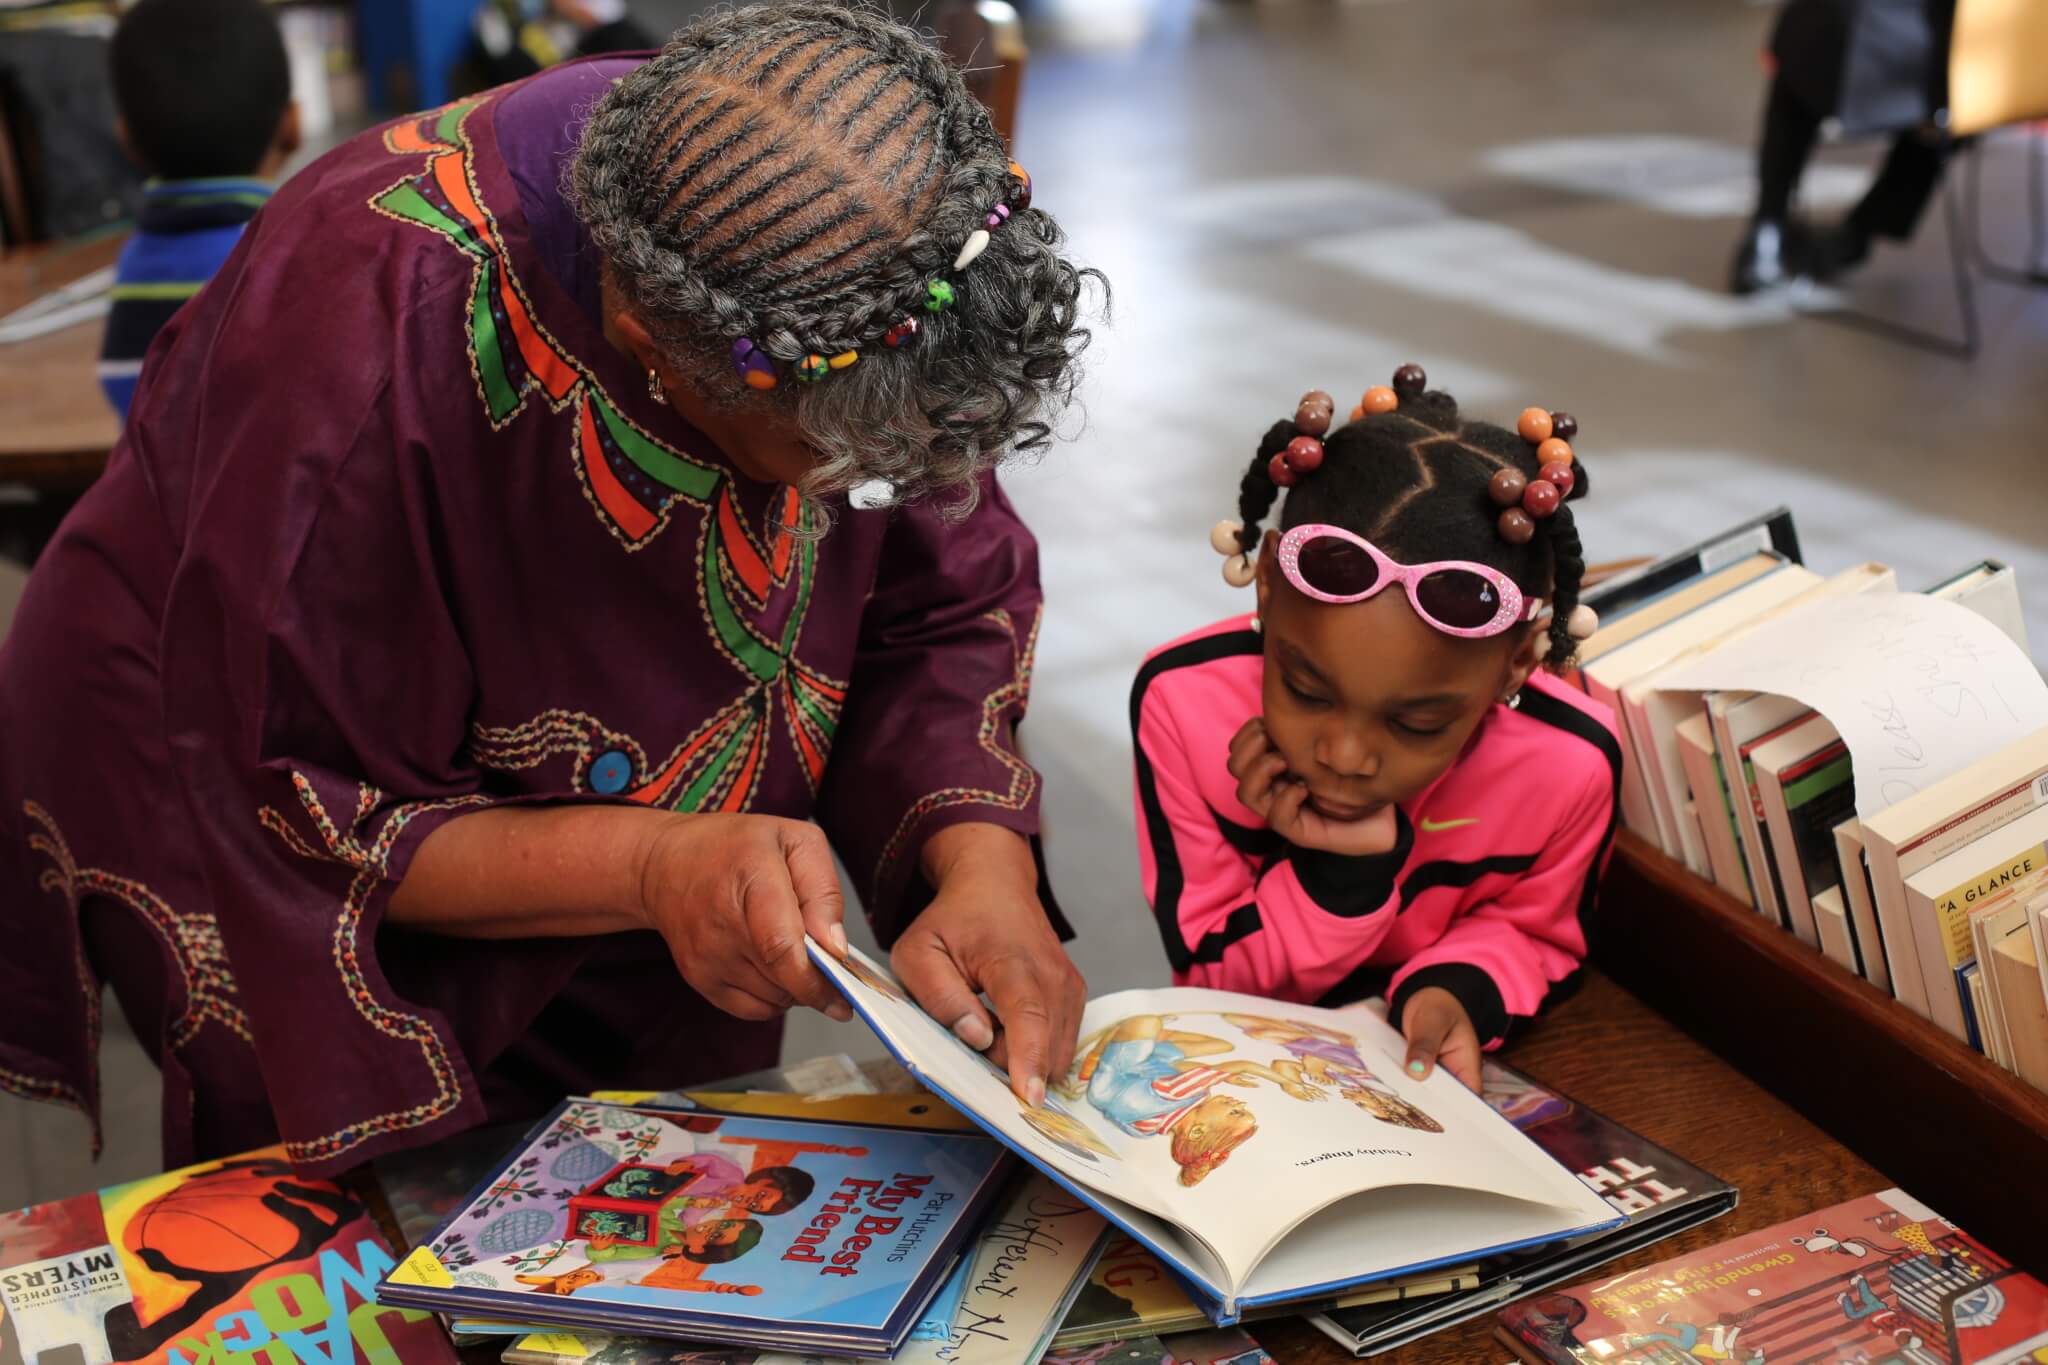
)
(183, 234)
(1192, 1085)
(1486, 892)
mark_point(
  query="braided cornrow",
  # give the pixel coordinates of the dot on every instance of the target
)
(797, 175)
(1413, 481)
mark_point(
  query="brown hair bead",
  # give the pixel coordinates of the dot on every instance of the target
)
(1515, 526)
(1563, 426)
(1505, 488)
(1410, 381)
(1541, 498)
(1314, 413)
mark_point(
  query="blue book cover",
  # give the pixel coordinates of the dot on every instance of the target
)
(768, 1232)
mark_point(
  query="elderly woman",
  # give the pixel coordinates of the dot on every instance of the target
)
(474, 619)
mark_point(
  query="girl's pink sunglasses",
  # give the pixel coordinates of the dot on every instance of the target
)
(1457, 597)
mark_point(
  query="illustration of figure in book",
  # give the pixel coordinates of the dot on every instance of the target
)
(1716, 1342)
(1327, 1056)
(1150, 1080)
(1066, 1132)
(690, 1192)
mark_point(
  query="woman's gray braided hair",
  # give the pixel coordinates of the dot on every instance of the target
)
(796, 174)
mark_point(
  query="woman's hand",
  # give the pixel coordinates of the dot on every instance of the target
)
(734, 896)
(1270, 791)
(985, 932)
(1440, 1033)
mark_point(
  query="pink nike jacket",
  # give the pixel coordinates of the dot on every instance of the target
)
(1486, 893)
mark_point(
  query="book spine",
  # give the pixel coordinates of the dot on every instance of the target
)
(2023, 1001)
(1894, 924)
(1862, 910)
(1785, 860)
(1717, 823)
(1635, 797)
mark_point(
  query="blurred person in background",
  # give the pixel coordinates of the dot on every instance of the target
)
(1871, 67)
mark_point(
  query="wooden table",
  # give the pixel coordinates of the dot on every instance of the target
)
(1609, 1051)
(56, 428)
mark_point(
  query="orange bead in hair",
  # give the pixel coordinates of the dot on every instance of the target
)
(1554, 451)
(1535, 425)
(1378, 399)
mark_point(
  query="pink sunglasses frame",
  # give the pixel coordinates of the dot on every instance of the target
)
(1510, 613)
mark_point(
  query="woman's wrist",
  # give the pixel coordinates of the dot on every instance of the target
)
(976, 849)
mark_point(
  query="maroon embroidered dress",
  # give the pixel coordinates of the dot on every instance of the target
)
(394, 534)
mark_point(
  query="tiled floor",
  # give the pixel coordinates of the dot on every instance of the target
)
(1536, 202)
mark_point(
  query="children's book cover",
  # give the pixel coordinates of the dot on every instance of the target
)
(1661, 1193)
(1881, 1280)
(1015, 1283)
(725, 1229)
(232, 1260)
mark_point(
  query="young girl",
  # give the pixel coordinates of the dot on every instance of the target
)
(1367, 787)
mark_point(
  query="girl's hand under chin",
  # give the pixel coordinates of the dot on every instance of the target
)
(1281, 799)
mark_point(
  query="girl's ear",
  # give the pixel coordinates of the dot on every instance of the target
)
(1527, 657)
(1269, 565)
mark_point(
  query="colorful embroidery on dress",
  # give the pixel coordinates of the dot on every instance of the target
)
(634, 482)
(192, 940)
(371, 864)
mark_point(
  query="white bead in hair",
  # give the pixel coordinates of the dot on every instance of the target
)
(1238, 570)
(1581, 624)
(976, 243)
(1226, 537)
(1542, 647)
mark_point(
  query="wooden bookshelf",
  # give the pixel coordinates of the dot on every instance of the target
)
(1940, 1120)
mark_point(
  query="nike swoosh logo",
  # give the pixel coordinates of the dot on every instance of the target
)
(1439, 826)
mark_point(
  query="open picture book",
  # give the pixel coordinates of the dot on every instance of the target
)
(1265, 1152)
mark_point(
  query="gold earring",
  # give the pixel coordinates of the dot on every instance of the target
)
(654, 388)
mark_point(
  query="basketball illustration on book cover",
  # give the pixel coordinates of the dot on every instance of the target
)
(239, 1256)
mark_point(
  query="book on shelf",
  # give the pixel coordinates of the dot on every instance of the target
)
(1621, 628)
(1992, 590)
(1993, 923)
(240, 1256)
(1837, 935)
(2023, 1001)
(1806, 786)
(1715, 804)
(1862, 906)
(1660, 1194)
(1880, 1278)
(1651, 714)
(1626, 593)
(795, 1234)
(1743, 722)
(1605, 677)
(1267, 1152)
(2000, 869)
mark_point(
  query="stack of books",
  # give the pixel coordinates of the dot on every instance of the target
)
(1929, 876)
